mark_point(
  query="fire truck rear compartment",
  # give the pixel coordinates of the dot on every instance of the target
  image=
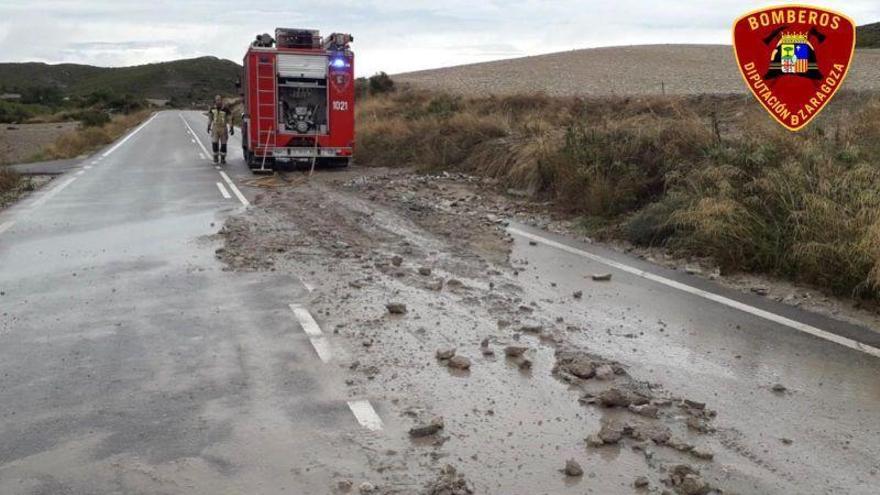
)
(302, 94)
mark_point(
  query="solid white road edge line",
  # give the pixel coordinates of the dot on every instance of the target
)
(223, 191)
(6, 226)
(803, 327)
(365, 414)
(46, 197)
(87, 167)
(126, 138)
(306, 321)
(235, 190)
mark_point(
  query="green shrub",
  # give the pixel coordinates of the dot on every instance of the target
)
(381, 83)
(93, 118)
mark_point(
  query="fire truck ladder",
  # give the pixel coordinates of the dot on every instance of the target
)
(265, 73)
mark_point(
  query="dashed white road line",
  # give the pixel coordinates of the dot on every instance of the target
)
(244, 201)
(362, 409)
(322, 348)
(80, 172)
(306, 321)
(87, 167)
(234, 189)
(51, 193)
(6, 226)
(223, 191)
(129, 136)
(365, 414)
(803, 327)
(191, 131)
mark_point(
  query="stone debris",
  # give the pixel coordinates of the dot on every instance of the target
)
(445, 354)
(532, 329)
(397, 261)
(366, 487)
(578, 294)
(449, 482)
(779, 388)
(485, 349)
(685, 480)
(616, 397)
(610, 433)
(428, 429)
(459, 363)
(595, 441)
(425, 271)
(699, 424)
(601, 277)
(396, 308)
(344, 486)
(641, 482)
(605, 372)
(647, 410)
(573, 469)
(613, 432)
(702, 453)
(515, 351)
(582, 365)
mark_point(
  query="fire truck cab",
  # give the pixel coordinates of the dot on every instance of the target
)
(298, 92)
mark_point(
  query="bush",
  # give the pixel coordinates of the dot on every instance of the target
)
(381, 83)
(13, 113)
(93, 118)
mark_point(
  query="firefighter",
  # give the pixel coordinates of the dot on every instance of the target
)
(218, 118)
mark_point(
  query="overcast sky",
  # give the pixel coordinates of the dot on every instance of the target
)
(393, 35)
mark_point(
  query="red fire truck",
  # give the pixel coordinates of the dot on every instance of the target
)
(298, 91)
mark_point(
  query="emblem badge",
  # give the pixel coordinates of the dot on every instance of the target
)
(794, 59)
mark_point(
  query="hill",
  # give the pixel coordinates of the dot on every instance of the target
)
(625, 70)
(868, 36)
(187, 80)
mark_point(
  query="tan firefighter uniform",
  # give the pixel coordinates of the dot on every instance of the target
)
(219, 117)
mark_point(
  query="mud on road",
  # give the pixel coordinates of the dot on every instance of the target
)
(481, 387)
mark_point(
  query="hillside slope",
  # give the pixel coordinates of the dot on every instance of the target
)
(868, 36)
(626, 70)
(189, 79)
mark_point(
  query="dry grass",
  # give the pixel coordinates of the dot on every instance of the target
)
(707, 176)
(87, 139)
(12, 185)
(9, 180)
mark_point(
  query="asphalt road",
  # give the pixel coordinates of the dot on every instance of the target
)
(131, 362)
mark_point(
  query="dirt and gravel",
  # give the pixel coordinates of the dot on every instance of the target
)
(20, 142)
(627, 70)
(414, 275)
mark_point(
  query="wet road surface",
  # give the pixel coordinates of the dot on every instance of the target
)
(730, 358)
(131, 362)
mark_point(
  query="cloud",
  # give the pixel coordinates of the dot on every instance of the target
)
(392, 35)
